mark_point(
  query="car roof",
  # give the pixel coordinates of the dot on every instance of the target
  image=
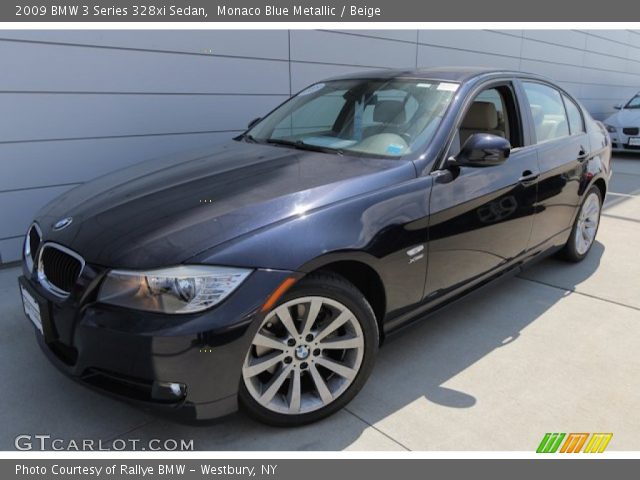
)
(451, 74)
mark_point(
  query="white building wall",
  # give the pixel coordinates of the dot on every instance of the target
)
(76, 104)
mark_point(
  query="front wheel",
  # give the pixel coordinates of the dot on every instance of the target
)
(585, 227)
(312, 353)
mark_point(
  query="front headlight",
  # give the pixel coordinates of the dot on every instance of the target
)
(183, 289)
(611, 128)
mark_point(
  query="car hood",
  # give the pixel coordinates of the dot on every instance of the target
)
(628, 117)
(164, 211)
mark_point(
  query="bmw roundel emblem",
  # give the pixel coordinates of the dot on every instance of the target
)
(64, 223)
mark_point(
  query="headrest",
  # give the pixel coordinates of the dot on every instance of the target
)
(389, 111)
(481, 116)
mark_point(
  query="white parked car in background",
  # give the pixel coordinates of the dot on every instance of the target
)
(624, 126)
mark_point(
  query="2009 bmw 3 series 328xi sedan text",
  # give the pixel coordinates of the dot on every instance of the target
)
(265, 272)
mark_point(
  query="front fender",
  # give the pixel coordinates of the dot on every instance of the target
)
(376, 229)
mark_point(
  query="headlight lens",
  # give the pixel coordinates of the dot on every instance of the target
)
(611, 128)
(183, 289)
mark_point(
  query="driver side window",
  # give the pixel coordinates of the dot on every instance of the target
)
(492, 111)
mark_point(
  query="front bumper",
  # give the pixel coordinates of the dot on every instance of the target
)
(620, 142)
(187, 365)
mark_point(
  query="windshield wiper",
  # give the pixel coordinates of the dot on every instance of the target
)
(300, 145)
(247, 137)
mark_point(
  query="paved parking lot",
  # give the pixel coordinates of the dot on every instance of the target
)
(555, 349)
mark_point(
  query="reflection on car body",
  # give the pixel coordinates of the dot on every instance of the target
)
(498, 210)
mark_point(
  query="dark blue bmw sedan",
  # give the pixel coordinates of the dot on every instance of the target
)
(266, 272)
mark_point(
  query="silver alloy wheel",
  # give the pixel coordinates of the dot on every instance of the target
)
(587, 225)
(306, 353)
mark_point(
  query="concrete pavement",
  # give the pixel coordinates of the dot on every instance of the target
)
(554, 349)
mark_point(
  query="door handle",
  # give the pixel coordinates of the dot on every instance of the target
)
(582, 154)
(528, 177)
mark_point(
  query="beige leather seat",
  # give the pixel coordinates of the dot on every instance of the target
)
(482, 117)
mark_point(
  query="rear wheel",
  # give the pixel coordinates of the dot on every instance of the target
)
(585, 227)
(312, 353)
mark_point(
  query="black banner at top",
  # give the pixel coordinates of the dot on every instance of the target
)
(318, 11)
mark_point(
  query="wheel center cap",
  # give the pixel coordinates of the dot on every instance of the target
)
(302, 352)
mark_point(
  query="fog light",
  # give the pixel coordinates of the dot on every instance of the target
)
(168, 391)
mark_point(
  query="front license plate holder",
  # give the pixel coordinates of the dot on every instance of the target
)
(38, 311)
(31, 309)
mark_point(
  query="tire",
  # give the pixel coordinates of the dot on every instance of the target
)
(310, 357)
(578, 246)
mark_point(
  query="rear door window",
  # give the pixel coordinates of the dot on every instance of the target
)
(548, 112)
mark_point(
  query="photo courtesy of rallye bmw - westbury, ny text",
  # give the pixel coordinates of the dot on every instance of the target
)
(274, 239)
(145, 471)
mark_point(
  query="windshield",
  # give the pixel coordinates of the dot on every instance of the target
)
(380, 118)
(634, 102)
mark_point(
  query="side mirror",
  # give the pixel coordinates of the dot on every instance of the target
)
(482, 150)
(618, 106)
(253, 122)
